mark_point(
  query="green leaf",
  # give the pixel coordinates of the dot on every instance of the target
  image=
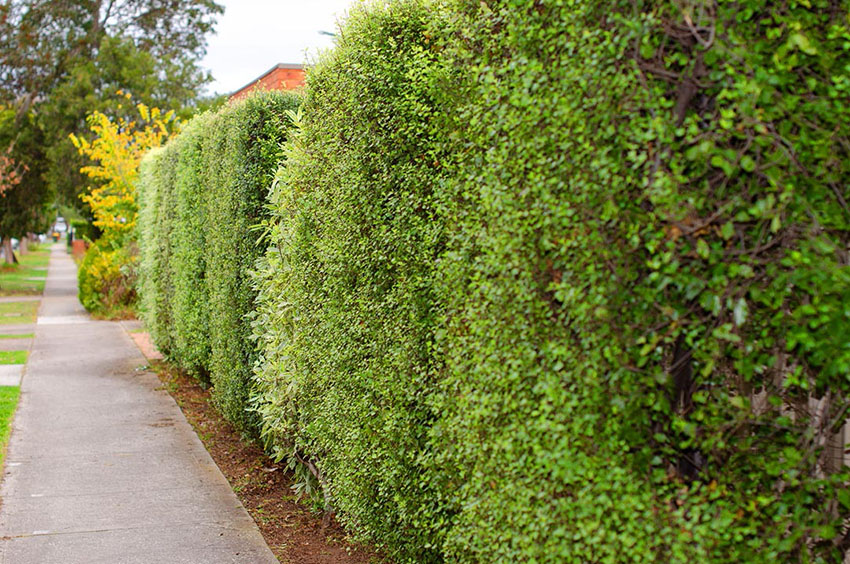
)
(703, 250)
(740, 312)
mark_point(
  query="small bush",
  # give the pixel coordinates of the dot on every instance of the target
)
(107, 279)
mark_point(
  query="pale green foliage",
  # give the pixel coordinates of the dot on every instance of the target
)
(203, 193)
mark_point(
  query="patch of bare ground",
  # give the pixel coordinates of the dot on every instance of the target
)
(294, 533)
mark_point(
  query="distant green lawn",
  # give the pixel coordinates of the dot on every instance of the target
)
(14, 313)
(8, 401)
(21, 336)
(15, 279)
(13, 357)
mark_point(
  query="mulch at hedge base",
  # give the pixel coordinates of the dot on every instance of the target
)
(293, 532)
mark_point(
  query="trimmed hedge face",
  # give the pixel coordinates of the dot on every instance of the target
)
(549, 282)
(202, 195)
(155, 225)
(346, 309)
(190, 306)
(566, 282)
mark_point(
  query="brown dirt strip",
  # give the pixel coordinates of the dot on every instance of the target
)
(294, 533)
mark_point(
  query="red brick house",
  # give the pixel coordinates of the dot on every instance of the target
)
(280, 77)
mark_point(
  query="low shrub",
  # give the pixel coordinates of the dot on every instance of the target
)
(107, 279)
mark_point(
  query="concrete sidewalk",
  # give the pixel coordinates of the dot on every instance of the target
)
(102, 466)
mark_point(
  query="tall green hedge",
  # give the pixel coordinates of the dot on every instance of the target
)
(346, 315)
(202, 196)
(547, 281)
(567, 282)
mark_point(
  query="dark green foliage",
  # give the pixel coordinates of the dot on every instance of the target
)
(62, 60)
(201, 197)
(567, 282)
(84, 230)
(24, 208)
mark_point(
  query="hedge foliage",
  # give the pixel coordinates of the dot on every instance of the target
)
(553, 281)
(346, 311)
(201, 197)
(645, 283)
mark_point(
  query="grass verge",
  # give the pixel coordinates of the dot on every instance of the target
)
(8, 402)
(14, 313)
(27, 277)
(13, 357)
(20, 336)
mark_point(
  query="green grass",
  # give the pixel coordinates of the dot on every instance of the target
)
(19, 336)
(14, 279)
(13, 357)
(13, 313)
(8, 401)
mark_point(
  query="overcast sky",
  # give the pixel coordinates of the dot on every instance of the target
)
(254, 35)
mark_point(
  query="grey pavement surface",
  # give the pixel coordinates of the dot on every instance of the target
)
(10, 374)
(102, 466)
(15, 344)
(9, 299)
(17, 329)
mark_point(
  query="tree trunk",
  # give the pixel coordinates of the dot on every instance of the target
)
(23, 247)
(7, 251)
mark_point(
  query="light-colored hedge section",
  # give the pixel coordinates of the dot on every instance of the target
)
(201, 197)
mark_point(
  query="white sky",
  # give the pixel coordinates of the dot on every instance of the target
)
(252, 36)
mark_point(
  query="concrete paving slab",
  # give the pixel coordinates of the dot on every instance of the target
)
(216, 543)
(10, 374)
(17, 329)
(102, 467)
(131, 325)
(63, 320)
(10, 299)
(15, 344)
(134, 509)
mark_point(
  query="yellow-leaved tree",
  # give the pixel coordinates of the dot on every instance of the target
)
(107, 274)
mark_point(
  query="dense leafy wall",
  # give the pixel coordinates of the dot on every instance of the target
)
(346, 315)
(202, 196)
(548, 281)
(565, 282)
(645, 282)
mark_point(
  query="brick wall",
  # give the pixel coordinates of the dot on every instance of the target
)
(279, 78)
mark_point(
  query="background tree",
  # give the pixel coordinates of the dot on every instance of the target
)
(24, 197)
(107, 275)
(62, 60)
